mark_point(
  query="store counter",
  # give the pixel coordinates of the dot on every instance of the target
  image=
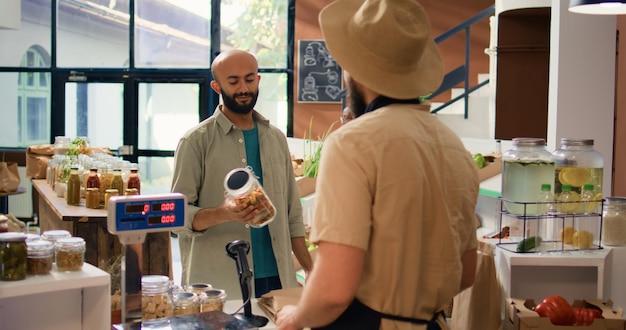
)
(102, 248)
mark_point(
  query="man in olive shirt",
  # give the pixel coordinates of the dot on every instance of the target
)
(237, 136)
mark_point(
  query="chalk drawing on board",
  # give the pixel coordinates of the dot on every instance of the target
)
(319, 76)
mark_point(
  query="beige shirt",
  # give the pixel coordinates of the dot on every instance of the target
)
(205, 154)
(400, 185)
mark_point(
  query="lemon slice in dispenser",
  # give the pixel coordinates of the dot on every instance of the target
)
(575, 177)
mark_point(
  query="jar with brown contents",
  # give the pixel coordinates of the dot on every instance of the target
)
(212, 300)
(155, 300)
(186, 303)
(70, 253)
(243, 189)
(92, 198)
(40, 257)
(12, 256)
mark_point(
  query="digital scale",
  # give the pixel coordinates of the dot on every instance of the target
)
(131, 218)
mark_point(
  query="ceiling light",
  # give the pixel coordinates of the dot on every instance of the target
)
(598, 7)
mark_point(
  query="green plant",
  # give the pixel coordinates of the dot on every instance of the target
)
(313, 153)
(77, 147)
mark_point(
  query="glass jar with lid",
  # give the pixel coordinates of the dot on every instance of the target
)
(525, 168)
(54, 235)
(62, 145)
(13, 256)
(155, 300)
(134, 182)
(243, 189)
(40, 257)
(198, 288)
(69, 254)
(614, 221)
(212, 300)
(578, 163)
(186, 303)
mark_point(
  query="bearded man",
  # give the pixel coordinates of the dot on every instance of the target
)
(237, 136)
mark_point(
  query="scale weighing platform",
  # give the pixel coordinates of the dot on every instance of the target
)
(131, 218)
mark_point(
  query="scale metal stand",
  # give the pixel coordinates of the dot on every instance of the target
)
(131, 218)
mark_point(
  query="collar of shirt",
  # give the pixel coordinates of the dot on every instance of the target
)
(226, 125)
(382, 101)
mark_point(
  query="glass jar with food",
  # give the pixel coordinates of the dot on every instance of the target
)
(69, 253)
(243, 189)
(40, 257)
(155, 300)
(614, 221)
(186, 303)
(13, 256)
(54, 235)
(212, 300)
(577, 164)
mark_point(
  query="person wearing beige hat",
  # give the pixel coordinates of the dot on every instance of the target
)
(402, 244)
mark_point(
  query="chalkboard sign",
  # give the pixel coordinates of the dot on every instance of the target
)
(319, 76)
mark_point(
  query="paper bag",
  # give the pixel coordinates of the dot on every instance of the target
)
(9, 177)
(37, 160)
(479, 307)
(273, 301)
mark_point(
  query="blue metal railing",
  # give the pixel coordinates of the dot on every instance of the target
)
(461, 74)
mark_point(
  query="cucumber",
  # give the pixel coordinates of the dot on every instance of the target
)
(528, 244)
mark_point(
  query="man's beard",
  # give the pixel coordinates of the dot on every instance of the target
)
(356, 99)
(232, 105)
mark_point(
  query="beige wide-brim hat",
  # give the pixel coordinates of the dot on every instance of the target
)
(385, 45)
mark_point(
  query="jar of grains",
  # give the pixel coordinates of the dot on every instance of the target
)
(70, 253)
(186, 303)
(12, 256)
(155, 299)
(212, 300)
(243, 189)
(40, 257)
(614, 218)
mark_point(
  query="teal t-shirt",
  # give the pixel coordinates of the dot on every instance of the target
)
(263, 259)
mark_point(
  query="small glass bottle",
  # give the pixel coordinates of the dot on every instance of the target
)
(13, 256)
(40, 257)
(546, 199)
(155, 300)
(117, 182)
(106, 179)
(524, 168)
(243, 189)
(134, 180)
(587, 197)
(69, 253)
(614, 221)
(569, 201)
(212, 300)
(73, 187)
(93, 180)
(186, 303)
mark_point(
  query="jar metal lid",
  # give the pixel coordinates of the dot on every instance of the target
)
(12, 237)
(576, 142)
(524, 141)
(238, 181)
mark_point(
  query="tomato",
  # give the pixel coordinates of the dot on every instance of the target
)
(557, 309)
(585, 316)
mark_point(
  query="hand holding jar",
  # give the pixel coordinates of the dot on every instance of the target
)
(244, 191)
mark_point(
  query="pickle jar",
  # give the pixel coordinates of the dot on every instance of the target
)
(186, 303)
(40, 257)
(525, 168)
(614, 221)
(69, 254)
(155, 299)
(578, 163)
(243, 189)
(54, 235)
(13, 256)
(212, 300)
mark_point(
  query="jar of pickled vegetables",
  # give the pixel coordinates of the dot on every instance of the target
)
(13, 256)
(243, 189)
